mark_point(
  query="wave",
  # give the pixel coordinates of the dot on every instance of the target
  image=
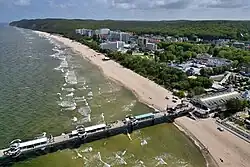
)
(144, 142)
(129, 106)
(90, 94)
(84, 111)
(70, 95)
(68, 89)
(100, 158)
(80, 99)
(70, 77)
(88, 149)
(121, 160)
(67, 104)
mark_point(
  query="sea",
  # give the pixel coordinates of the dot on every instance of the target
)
(46, 87)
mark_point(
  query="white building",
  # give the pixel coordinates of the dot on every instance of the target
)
(104, 31)
(86, 32)
(119, 36)
(125, 37)
(151, 46)
(78, 31)
(114, 36)
(114, 46)
(142, 42)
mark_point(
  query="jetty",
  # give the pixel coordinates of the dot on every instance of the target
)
(19, 150)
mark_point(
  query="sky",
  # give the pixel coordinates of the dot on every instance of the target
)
(126, 9)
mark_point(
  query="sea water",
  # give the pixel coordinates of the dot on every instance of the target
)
(46, 87)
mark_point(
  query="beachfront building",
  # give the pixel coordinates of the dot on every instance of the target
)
(151, 46)
(104, 31)
(215, 101)
(85, 32)
(142, 42)
(114, 46)
(239, 45)
(114, 36)
(125, 37)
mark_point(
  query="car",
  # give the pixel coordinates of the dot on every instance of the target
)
(174, 101)
(220, 129)
(167, 97)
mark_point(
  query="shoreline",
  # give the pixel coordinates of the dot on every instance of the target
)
(153, 95)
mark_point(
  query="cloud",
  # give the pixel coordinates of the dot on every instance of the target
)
(227, 3)
(150, 4)
(62, 3)
(22, 2)
(174, 4)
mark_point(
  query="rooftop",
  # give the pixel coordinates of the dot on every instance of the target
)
(216, 100)
(95, 127)
(33, 142)
(144, 116)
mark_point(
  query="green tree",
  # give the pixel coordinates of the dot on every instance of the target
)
(129, 52)
(234, 106)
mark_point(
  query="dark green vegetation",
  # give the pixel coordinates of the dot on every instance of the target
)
(235, 105)
(180, 51)
(231, 53)
(191, 29)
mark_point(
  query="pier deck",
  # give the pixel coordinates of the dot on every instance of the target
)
(127, 125)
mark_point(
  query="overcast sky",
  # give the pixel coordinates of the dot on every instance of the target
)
(125, 9)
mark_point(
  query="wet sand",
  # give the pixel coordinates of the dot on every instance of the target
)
(224, 146)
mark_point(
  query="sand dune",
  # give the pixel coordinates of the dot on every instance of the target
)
(221, 145)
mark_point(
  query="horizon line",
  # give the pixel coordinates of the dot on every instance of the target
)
(128, 19)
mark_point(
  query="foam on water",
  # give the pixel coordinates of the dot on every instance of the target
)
(88, 149)
(129, 107)
(121, 160)
(82, 88)
(70, 77)
(144, 142)
(89, 117)
(84, 111)
(102, 117)
(67, 104)
(74, 119)
(68, 89)
(70, 94)
(80, 99)
(100, 158)
(90, 94)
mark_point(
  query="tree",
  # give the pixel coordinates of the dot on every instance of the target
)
(235, 105)
(180, 94)
(129, 52)
(156, 55)
(197, 90)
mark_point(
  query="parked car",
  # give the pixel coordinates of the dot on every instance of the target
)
(220, 129)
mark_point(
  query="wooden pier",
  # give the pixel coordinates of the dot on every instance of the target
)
(81, 134)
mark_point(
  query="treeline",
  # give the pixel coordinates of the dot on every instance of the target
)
(207, 30)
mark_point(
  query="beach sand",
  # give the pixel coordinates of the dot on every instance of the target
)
(233, 151)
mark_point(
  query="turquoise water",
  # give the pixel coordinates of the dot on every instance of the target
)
(44, 85)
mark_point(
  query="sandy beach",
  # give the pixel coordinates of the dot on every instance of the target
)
(233, 151)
